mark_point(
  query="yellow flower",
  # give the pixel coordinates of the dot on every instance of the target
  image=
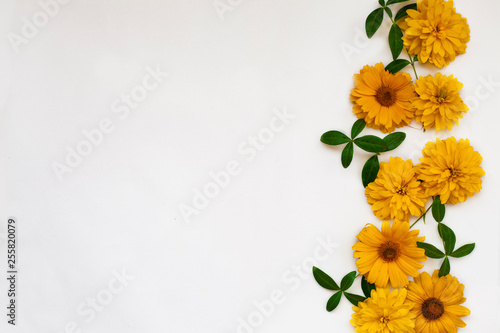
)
(396, 193)
(436, 32)
(439, 104)
(384, 312)
(437, 303)
(451, 170)
(382, 99)
(390, 254)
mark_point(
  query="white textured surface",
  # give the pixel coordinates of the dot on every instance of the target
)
(119, 208)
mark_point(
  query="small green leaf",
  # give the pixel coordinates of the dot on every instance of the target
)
(347, 281)
(448, 236)
(374, 21)
(415, 58)
(367, 287)
(357, 128)
(396, 65)
(395, 41)
(438, 209)
(394, 140)
(371, 143)
(370, 170)
(388, 11)
(431, 251)
(390, 2)
(463, 251)
(334, 301)
(402, 12)
(324, 279)
(382, 3)
(334, 138)
(354, 299)
(347, 155)
(445, 267)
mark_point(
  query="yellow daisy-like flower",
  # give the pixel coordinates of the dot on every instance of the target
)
(437, 303)
(396, 193)
(384, 312)
(436, 32)
(382, 99)
(451, 170)
(390, 254)
(439, 104)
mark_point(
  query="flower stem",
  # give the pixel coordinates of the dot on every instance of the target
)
(421, 216)
(412, 62)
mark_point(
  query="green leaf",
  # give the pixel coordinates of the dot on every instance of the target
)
(396, 65)
(415, 58)
(370, 170)
(402, 12)
(448, 237)
(367, 287)
(357, 128)
(390, 2)
(382, 3)
(374, 21)
(388, 11)
(334, 301)
(371, 143)
(431, 251)
(324, 279)
(445, 267)
(347, 281)
(347, 155)
(395, 41)
(334, 138)
(354, 299)
(463, 251)
(438, 209)
(394, 140)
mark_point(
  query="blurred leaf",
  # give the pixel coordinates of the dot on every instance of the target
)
(334, 301)
(354, 299)
(402, 12)
(415, 58)
(370, 170)
(324, 279)
(438, 209)
(448, 237)
(347, 155)
(371, 143)
(445, 267)
(347, 281)
(431, 251)
(463, 251)
(367, 287)
(394, 140)
(390, 2)
(373, 21)
(388, 11)
(395, 41)
(357, 128)
(396, 65)
(334, 138)
(381, 2)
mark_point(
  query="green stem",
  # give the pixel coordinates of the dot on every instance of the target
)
(412, 62)
(421, 216)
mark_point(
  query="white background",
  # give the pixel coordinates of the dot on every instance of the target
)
(119, 208)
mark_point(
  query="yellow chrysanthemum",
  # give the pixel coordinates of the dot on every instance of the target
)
(382, 99)
(384, 312)
(396, 193)
(451, 170)
(435, 32)
(390, 254)
(439, 104)
(437, 303)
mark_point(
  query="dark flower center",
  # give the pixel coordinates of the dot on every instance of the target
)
(389, 251)
(401, 190)
(453, 172)
(432, 309)
(441, 97)
(386, 96)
